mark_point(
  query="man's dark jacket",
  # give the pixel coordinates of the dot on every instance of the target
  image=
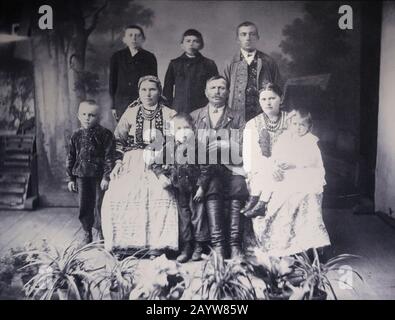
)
(125, 72)
(185, 82)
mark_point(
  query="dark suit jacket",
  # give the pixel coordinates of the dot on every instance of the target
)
(231, 121)
(185, 82)
(125, 72)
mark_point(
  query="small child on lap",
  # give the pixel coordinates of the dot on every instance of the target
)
(296, 164)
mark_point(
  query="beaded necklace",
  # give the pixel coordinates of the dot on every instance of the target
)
(158, 124)
(272, 125)
(149, 114)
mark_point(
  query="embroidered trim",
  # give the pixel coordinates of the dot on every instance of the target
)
(138, 141)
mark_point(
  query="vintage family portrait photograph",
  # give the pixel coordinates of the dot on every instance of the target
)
(197, 150)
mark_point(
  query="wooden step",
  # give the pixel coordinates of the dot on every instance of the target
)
(17, 149)
(16, 136)
(11, 189)
(17, 157)
(8, 177)
(15, 170)
(11, 200)
(16, 167)
(19, 138)
(26, 144)
(17, 163)
(18, 143)
(11, 207)
(12, 183)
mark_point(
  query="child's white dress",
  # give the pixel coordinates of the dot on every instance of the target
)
(293, 221)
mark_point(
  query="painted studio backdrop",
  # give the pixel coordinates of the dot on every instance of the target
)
(71, 62)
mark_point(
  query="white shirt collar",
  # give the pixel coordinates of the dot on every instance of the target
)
(249, 56)
(133, 51)
(212, 109)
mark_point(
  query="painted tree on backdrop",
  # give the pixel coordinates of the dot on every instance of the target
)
(106, 38)
(316, 45)
(62, 78)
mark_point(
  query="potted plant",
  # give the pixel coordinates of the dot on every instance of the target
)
(117, 277)
(161, 279)
(273, 271)
(297, 277)
(314, 274)
(12, 278)
(225, 280)
(7, 271)
(21, 259)
(60, 272)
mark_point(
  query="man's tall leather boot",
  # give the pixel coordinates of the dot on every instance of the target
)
(215, 221)
(235, 228)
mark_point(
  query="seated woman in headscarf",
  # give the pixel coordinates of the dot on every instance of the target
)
(138, 210)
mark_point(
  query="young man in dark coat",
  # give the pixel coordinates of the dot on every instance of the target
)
(127, 66)
(186, 76)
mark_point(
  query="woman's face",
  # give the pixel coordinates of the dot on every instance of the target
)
(149, 93)
(270, 102)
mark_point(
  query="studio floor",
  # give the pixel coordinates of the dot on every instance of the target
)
(366, 235)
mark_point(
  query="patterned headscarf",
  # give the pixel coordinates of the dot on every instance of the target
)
(153, 79)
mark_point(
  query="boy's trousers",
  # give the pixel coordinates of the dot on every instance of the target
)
(90, 197)
(192, 218)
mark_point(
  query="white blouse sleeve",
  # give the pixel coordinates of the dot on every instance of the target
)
(253, 160)
(123, 129)
(246, 152)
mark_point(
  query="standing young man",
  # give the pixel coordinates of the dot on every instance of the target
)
(127, 66)
(248, 70)
(186, 76)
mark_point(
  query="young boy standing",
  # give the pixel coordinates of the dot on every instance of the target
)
(89, 163)
(186, 76)
(188, 180)
(127, 66)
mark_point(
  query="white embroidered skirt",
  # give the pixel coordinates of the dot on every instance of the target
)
(137, 212)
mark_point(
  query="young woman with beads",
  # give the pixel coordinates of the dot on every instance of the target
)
(286, 219)
(260, 134)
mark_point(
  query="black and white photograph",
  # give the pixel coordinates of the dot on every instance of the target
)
(197, 150)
